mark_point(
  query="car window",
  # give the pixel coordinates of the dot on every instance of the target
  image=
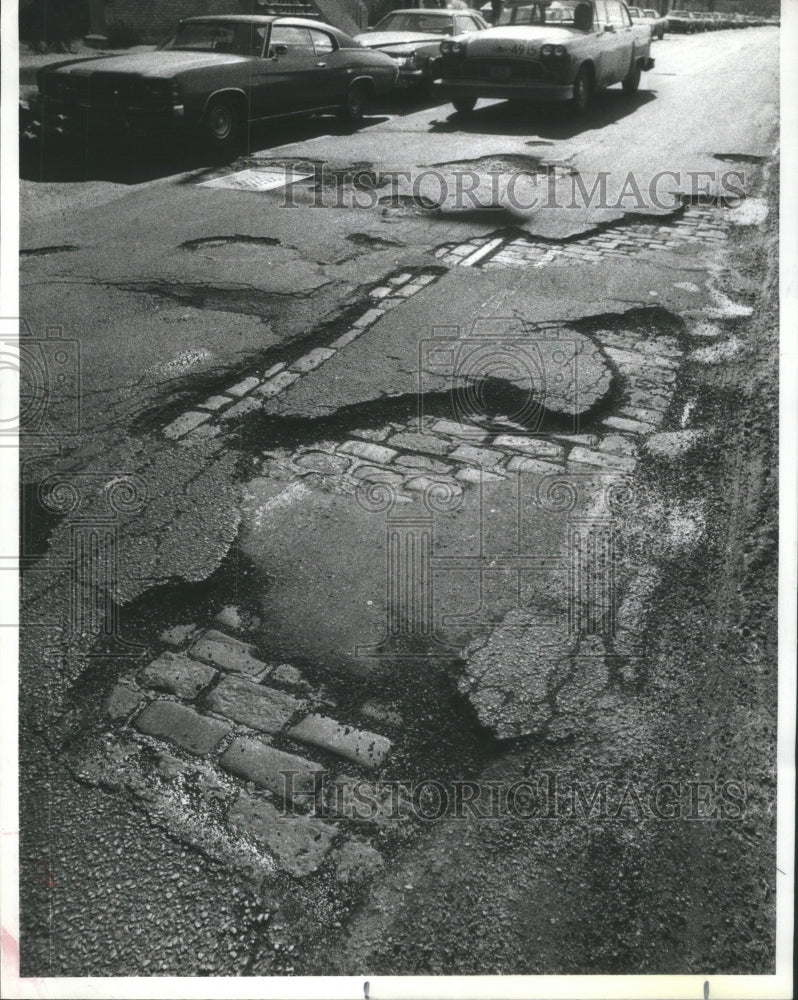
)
(203, 36)
(601, 13)
(322, 42)
(557, 12)
(462, 25)
(296, 40)
(417, 21)
(616, 15)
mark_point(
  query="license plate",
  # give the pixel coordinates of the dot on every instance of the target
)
(500, 72)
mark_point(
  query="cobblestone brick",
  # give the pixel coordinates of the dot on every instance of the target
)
(182, 725)
(229, 654)
(482, 457)
(320, 461)
(601, 459)
(262, 764)
(364, 748)
(367, 451)
(299, 843)
(624, 424)
(646, 414)
(178, 674)
(240, 409)
(368, 318)
(453, 428)
(520, 463)
(618, 444)
(277, 384)
(242, 388)
(122, 702)
(271, 372)
(529, 445)
(423, 463)
(426, 443)
(286, 674)
(312, 359)
(253, 705)
(420, 484)
(177, 635)
(185, 422)
(346, 338)
(229, 617)
(374, 474)
(214, 403)
(469, 475)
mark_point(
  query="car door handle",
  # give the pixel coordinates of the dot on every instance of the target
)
(321, 64)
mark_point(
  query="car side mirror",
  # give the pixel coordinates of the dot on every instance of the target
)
(278, 50)
(610, 28)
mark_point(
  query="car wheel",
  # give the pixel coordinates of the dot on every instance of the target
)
(463, 105)
(355, 105)
(632, 79)
(222, 121)
(583, 91)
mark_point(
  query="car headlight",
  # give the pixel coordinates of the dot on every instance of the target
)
(450, 48)
(407, 60)
(553, 51)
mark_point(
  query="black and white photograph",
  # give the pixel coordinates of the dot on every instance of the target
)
(399, 498)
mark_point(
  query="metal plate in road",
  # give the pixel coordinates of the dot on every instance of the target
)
(257, 180)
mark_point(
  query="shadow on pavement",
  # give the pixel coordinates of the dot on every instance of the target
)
(57, 159)
(550, 122)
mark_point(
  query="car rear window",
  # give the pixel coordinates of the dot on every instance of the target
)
(429, 24)
(558, 12)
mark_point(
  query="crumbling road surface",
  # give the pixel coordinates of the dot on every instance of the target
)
(416, 461)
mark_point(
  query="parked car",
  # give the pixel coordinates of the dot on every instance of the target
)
(214, 75)
(538, 51)
(649, 17)
(412, 38)
(687, 22)
(659, 24)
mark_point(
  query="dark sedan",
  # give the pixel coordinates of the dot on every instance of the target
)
(215, 75)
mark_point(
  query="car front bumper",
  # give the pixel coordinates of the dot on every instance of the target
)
(66, 118)
(504, 91)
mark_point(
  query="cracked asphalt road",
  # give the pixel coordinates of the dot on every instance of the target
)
(175, 291)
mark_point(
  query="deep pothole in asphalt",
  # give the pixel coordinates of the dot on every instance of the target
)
(432, 727)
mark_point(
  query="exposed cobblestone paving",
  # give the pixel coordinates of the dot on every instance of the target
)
(190, 734)
(698, 224)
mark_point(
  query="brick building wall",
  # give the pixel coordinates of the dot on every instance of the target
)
(154, 19)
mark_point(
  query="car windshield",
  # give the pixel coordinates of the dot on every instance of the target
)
(651, 13)
(241, 39)
(430, 24)
(539, 12)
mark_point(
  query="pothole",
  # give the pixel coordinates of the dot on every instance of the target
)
(46, 251)
(220, 241)
(510, 164)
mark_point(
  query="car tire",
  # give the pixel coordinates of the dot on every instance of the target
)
(222, 122)
(355, 106)
(583, 92)
(631, 81)
(464, 105)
